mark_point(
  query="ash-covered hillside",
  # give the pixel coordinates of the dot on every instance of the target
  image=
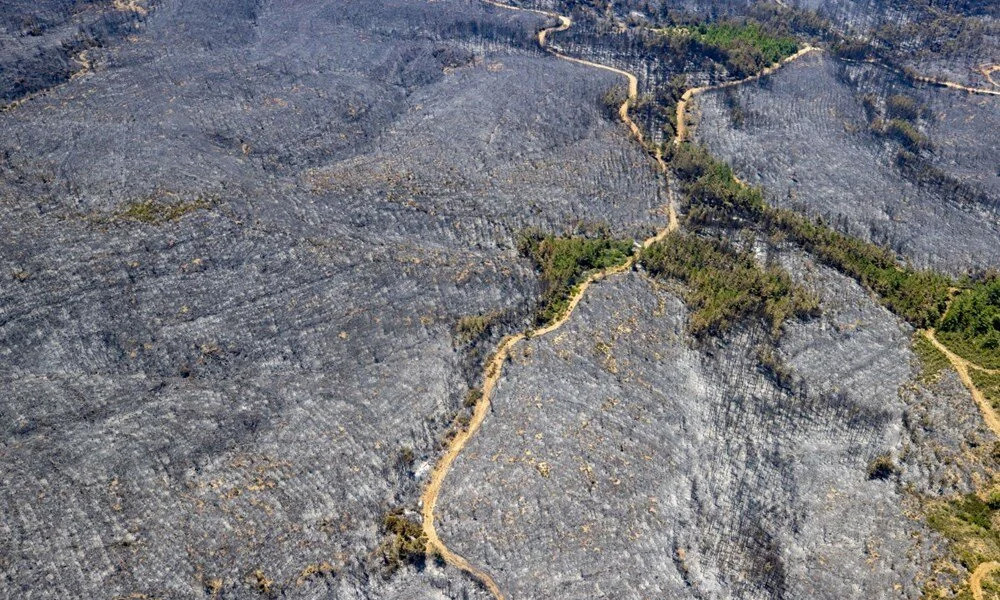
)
(235, 249)
(384, 300)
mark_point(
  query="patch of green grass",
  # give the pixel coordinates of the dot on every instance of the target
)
(972, 326)
(726, 286)
(932, 360)
(988, 384)
(968, 522)
(157, 212)
(565, 261)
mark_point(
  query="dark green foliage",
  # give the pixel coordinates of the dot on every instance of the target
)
(972, 326)
(406, 543)
(919, 296)
(744, 47)
(565, 261)
(612, 101)
(716, 197)
(663, 106)
(726, 286)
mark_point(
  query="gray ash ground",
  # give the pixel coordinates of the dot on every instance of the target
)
(195, 406)
(623, 459)
(231, 392)
(803, 134)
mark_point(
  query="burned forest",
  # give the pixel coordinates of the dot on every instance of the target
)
(513, 299)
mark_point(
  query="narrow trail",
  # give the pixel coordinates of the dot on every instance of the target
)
(976, 581)
(682, 105)
(988, 71)
(954, 85)
(962, 366)
(908, 74)
(494, 367)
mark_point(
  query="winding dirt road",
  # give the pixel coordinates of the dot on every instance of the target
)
(494, 367)
(962, 366)
(988, 71)
(682, 105)
(976, 581)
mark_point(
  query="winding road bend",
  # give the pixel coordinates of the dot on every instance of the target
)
(682, 105)
(976, 581)
(962, 366)
(988, 71)
(494, 367)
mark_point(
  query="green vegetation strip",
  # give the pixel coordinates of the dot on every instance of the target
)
(717, 198)
(972, 326)
(565, 261)
(153, 211)
(726, 285)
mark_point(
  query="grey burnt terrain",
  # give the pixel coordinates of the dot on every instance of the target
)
(812, 120)
(679, 472)
(237, 238)
(232, 391)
